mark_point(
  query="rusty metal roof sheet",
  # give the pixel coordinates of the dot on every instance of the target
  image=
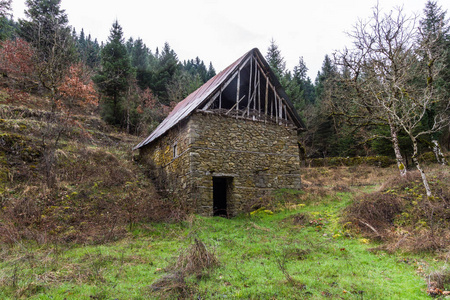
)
(184, 108)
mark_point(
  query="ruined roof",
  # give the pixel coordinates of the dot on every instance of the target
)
(196, 99)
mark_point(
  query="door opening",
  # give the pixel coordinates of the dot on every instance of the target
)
(221, 188)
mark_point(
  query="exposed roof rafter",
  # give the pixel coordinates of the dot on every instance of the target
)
(258, 86)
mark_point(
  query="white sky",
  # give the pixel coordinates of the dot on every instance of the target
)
(220, 31)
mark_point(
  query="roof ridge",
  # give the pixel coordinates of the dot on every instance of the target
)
(184, 108)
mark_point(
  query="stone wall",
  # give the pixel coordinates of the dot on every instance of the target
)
(257, 157)
(260, 157)
(169, 160)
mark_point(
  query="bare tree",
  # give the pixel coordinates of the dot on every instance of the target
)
(374, 69)
(391, 73)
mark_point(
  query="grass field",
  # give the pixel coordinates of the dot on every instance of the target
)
(298, 251)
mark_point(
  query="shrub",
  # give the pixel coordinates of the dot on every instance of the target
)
(402, 215)
(374, 214)
(195, 261)
(376, 161)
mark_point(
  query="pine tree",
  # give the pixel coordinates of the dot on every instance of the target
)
(197, 67)
(8, 28)
(5, 8)
(325, 138)
(309, 91)
(294, 91)
(201, 69)
(6, 25)
(168, 66)
(48, 31)
(300, 71)
(139, 55)
(275, 60)
(88, 50)
(81, 45)
(114, 76)
(434, 29)
(129, 45)
(74, 35)
(211, 71)
(92, 53)
(327, 72)
(304, 82)
(82, 38)
(434, 20)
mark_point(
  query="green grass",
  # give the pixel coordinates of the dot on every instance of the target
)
(264, 256)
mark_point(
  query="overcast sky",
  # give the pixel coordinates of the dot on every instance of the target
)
(222, 31)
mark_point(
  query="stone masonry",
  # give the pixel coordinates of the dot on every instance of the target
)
(256, 157)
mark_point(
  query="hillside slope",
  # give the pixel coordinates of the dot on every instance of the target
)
(68, 177)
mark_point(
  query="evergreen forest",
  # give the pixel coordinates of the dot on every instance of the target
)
(135, 87)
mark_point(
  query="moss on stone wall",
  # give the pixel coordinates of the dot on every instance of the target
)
(258, 157)
(170, 170)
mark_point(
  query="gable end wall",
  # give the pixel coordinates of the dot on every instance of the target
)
(260, 157)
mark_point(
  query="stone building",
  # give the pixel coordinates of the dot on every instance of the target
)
(229, 142)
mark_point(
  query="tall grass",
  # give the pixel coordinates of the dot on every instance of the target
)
(297, 252)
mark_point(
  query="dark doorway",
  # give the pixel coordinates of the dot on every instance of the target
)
(221, 187)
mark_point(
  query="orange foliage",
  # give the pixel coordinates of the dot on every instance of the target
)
(139, 110)
(78, 87)
(16, 57)
(148, 99)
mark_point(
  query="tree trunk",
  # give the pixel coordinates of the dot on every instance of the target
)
(115, 117)
(128, 110)
(438, 152)
(53, 99)
(398, 154)
(416, 162)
